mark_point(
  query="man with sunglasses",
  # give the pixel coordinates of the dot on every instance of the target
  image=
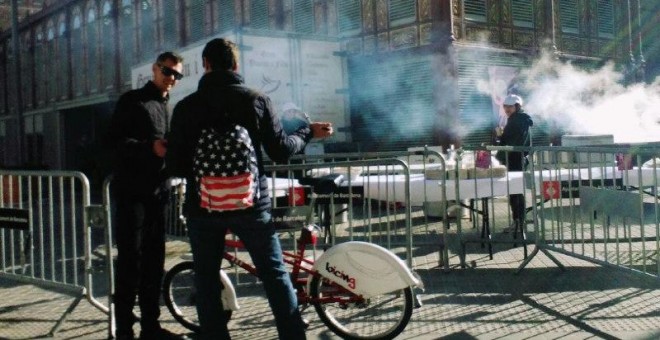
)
(137, 132)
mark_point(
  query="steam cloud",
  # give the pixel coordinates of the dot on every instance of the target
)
(591, 101)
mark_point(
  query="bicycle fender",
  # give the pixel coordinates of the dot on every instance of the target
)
(365, 269)
(228, 294)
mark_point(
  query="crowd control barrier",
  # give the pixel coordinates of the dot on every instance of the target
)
(599, 204)
(380, 223)
(46, 233)
(372, 208)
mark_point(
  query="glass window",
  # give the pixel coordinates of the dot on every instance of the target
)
(568, 16)
(475, 10)
(226, 15)
(402, 12)
(259, 14)
(522, 12)
(605, 19)
(91, 32)
(77, 52)
(303, 16)
(3, 79)
(62, 59)
(127, 28)
(147, 39)
(51, 82)
(107, 64)
(349, 15)
(196, 19)
(26, 71)
(169, 20)
(40, 57)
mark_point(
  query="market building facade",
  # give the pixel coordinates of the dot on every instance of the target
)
(399, 73)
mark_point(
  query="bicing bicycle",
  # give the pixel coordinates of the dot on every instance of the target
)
(359, 290)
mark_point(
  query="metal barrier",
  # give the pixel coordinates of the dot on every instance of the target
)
(46, 222)
(477, 183)
(598, 204)
(383, 185)
(358, 190)
(376, 213)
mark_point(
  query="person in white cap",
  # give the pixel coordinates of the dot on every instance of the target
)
(515, 133)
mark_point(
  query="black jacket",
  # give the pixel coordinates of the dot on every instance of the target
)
(221, 92)
(139, 119)
(516, 133)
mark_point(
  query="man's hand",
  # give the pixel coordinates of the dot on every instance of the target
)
(321, 129)
(160, 147)
(499, 131)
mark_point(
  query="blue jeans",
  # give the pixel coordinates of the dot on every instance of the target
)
(207, 240)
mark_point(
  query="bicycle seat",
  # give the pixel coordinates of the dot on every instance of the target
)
(323, 185)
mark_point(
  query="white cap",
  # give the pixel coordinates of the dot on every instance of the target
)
(513, 99)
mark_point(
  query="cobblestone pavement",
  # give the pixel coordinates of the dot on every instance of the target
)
(486, 301)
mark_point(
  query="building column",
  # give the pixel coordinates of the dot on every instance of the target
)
(446, 73)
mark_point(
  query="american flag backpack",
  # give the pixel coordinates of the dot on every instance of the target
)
(225, 167)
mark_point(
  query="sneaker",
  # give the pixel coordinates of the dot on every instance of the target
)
(160, 334)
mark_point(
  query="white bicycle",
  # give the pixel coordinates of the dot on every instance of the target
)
(359, 290)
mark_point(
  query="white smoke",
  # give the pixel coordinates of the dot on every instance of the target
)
(592, 101)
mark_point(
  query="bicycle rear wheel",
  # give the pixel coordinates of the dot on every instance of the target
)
(180, 295)
(380, 317)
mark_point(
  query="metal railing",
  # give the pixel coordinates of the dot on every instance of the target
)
(46, 233)
(380, 200)
(599, 204)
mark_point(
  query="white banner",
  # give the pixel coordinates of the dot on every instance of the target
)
(322, 76)
(306, 73)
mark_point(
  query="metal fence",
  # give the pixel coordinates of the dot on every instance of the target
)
(599, 204)
(595, 203)
(381, 195)
(46, 235)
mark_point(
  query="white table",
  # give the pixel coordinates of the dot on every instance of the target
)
(392, 187)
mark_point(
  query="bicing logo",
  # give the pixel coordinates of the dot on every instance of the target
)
(340, 274)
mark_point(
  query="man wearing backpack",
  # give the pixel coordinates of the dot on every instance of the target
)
(223, 109)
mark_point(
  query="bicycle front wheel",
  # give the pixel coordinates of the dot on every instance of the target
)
(181, 297)
(380, 317)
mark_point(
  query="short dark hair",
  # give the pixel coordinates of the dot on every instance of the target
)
(175, 57)
(221, 54)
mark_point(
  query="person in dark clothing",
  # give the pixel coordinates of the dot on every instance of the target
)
(137, 132)
(515, 133)
(222, 99)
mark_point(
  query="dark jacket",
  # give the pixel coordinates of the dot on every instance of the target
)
(516, 133)
(139, 119)
(221, 93)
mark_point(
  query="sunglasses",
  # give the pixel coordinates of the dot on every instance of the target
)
(168, 72)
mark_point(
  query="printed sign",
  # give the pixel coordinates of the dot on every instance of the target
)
(551, 190)
(571, 189)
(297, 196)
(341, 196)
(14, 218)
(290, 217)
